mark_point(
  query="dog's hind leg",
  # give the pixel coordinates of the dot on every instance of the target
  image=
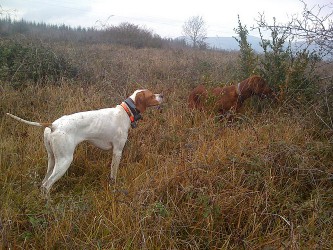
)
(63, 149)
(50, 155)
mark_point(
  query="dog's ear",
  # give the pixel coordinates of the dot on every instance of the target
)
(140, 101)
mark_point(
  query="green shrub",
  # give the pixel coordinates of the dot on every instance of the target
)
(247, 57)
(132, 35)
(29, 61)
(289, 71)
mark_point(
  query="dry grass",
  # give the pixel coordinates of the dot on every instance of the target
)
(185, 181)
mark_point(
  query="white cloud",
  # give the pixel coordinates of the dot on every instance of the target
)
(164, 17)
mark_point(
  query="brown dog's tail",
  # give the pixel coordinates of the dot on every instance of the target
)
(38, 124)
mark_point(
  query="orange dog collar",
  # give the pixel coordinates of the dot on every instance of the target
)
(130, 115)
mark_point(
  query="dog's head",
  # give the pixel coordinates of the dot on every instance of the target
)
(144, 98)
(260, 87)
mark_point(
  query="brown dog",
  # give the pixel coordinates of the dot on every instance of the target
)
(229, 98)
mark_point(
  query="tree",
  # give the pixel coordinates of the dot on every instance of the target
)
(195, 29)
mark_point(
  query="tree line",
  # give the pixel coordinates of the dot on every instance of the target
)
(125, 34)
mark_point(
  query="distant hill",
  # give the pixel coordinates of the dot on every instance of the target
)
(230, 43)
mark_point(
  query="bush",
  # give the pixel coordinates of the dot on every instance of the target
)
(22, 61)
(132, 35)
(247, 57)
(289, 71)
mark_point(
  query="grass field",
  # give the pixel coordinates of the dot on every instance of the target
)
(186, 181)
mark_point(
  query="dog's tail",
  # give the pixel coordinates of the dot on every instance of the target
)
(38, 124)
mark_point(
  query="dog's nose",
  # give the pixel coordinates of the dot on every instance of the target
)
(161, 95)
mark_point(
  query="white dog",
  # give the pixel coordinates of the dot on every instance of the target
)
(105, 128)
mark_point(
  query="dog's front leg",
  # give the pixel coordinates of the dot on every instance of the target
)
(117, 152)
(114, 166)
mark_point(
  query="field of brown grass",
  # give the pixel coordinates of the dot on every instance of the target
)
(186, 181)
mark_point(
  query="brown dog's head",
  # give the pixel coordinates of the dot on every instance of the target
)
(260, 87)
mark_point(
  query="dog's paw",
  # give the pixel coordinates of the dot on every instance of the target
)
(45, 194)
(112, 181)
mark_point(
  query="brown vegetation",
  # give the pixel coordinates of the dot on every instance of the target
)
(185, 180)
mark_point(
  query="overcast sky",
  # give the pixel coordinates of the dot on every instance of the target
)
(165, 18)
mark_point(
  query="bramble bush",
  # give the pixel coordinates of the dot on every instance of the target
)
(26, 61)
(288, 70)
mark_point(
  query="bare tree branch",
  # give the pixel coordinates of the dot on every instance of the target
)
(195, 29)
(314, 27)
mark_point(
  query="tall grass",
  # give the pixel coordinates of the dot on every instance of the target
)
(186, 181)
